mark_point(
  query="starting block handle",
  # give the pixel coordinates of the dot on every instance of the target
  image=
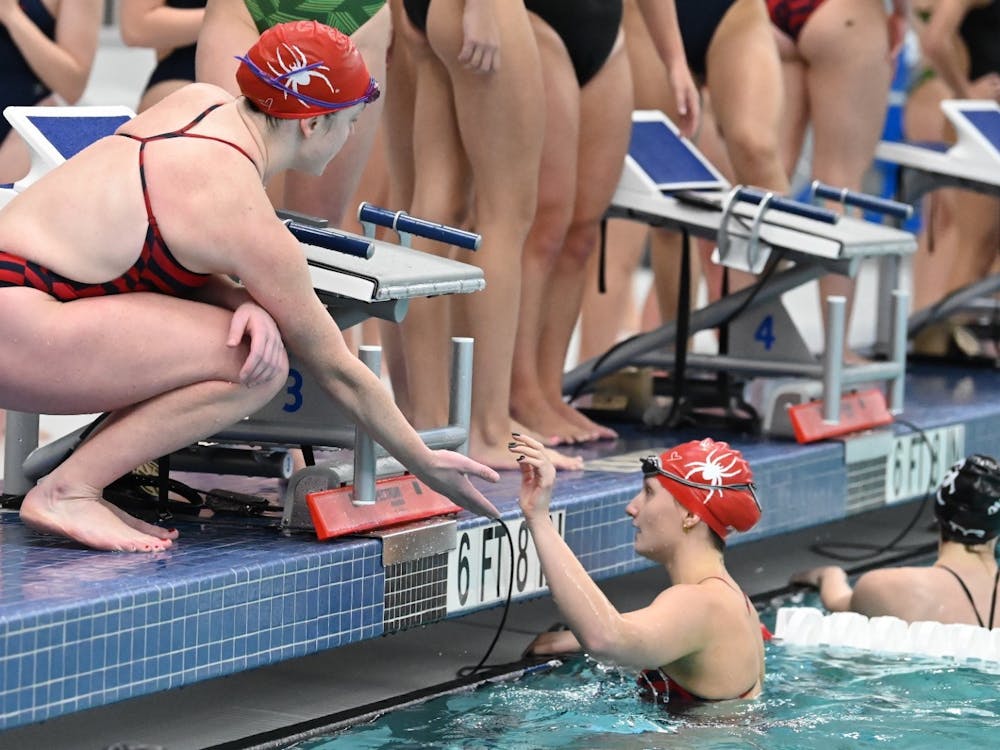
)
(755, 196)
(331, 240)
(861, 200)
(401, 222)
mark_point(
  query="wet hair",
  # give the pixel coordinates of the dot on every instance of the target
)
(968, 501)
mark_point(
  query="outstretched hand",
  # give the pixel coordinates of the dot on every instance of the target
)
(538, 475)
(449, 474)
(267, 355)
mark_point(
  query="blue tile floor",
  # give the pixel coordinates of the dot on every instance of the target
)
(80, 629)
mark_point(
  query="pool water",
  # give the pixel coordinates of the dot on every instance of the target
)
(814, 698)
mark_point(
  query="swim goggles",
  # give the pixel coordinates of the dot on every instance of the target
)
(651, 466)
(371, 93)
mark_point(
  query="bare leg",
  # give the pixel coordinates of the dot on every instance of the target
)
(440, 193)
(556, 187)
(501, 126)
(846, 49)
(605, 317)
(744, 77)
(168, 391)
(605, 117)
(601, 314)
(397, 129)
(227, 30)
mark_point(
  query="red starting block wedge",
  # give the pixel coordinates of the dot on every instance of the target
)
(858, 411)
(397, 500)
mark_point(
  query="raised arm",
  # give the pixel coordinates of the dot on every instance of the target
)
(62, 64)
(153, 23)
(650, 637)
(259, 250)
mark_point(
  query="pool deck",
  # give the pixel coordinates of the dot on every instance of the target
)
(240, 630)
(83, 629)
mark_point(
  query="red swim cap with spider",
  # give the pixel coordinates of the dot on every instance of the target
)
(304, 69)
(711, 480)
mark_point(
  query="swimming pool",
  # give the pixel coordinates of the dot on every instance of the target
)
(814, 698)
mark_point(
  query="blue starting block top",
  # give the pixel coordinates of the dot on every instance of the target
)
(69, 137)
(669, 159)
(977, 122)
(54, 134)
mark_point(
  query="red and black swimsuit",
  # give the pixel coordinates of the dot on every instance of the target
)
(659, 687)
(155, 270)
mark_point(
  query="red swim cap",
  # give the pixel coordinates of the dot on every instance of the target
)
(711, 480)
(303, 69)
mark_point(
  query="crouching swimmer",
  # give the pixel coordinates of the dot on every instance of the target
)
(701, 636)
(115, 290)
(962, 584)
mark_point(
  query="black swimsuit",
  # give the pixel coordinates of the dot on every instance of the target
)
(968, 594)
(588, 28)
(980, 30)
(698, 20)
(178, 65)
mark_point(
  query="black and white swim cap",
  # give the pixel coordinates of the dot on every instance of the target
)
(968, 501)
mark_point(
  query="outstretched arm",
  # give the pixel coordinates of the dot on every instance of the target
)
(644, 638)
(62, 64)
(261, 251)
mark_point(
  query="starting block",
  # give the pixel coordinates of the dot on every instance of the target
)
(667, 183)
(971, 163)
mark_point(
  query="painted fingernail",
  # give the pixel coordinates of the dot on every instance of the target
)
(520, 458)
(511, 445)
(516, 434)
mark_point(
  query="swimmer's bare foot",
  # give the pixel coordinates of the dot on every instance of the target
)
(574, 415)
(497, 456)
(84, 516)
(547, 424)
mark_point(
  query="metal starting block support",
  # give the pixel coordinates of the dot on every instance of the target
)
(370, 464)
(972, 163)
(750, 227)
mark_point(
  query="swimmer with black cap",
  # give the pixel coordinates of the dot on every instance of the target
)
(962, 584)
(700, 639)
(116, 290)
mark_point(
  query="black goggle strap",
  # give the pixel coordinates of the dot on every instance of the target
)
(651, 467)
